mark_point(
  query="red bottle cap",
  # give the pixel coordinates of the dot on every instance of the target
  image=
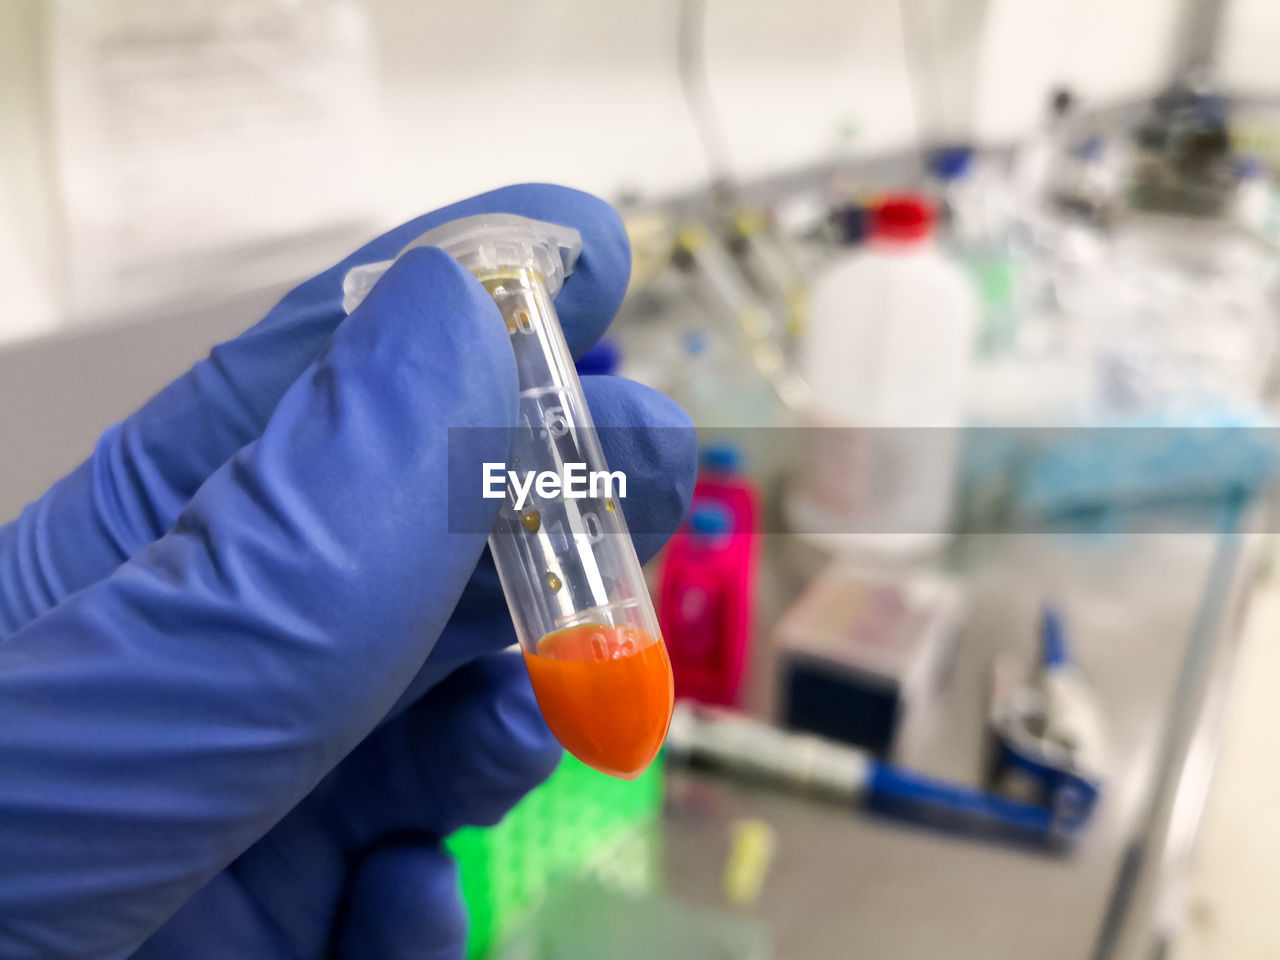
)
(903, 218)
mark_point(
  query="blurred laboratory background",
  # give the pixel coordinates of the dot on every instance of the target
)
(973, 303)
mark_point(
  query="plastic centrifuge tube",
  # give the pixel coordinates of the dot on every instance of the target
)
(568, 567)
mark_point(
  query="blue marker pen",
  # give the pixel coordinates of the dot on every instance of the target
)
(751, 749)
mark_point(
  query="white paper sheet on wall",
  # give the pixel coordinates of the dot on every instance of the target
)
(199, 141)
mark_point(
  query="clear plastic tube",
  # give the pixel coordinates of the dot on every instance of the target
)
(569, 570)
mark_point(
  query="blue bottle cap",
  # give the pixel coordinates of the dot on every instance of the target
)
(602, 359)
(1249, 167)
(1053, 640)
(710, 520)
(1089, 149)
(695, 342)
(721, 458)
(951, 163)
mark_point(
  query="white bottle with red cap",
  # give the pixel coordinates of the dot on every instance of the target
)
(887, 358)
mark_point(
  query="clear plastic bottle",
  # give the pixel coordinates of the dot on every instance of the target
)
(976, 210)
(954, 189)
(887, 361)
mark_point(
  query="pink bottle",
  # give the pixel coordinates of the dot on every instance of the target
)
(707, 591)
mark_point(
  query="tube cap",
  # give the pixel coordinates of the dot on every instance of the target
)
(494, 242)
(903, 218)
(483, 244)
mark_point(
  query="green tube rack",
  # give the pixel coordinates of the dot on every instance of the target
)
(578, 823)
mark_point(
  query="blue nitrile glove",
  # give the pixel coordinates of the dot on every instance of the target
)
(252, 573)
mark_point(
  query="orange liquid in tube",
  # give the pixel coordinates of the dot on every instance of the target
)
(606, 693)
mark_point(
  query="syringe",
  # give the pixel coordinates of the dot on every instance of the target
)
(569, 570)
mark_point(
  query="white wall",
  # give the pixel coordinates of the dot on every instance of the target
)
(1107, 51)
(28, 214)
(591, 95)
(485, 92)
(1249, 58)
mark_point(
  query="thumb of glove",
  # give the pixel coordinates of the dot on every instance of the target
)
(155, 724)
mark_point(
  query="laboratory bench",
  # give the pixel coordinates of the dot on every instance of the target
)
(1142, 607)
(1155, 619)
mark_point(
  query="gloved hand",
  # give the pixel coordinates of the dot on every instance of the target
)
(203, 627)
